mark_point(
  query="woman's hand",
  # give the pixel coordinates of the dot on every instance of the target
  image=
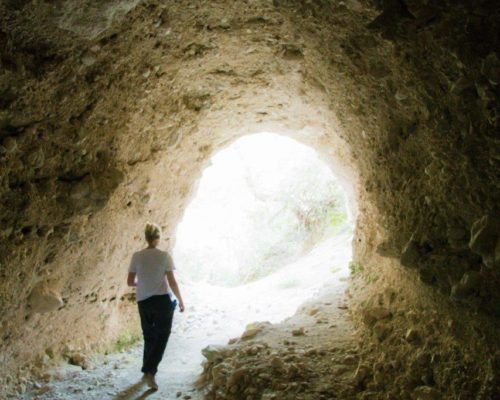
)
(175, 288)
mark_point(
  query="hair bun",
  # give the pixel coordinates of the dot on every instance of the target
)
(152, 231)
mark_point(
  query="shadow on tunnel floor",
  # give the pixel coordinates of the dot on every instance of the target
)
(132, 392)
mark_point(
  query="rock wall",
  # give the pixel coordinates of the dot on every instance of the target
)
(420, 118)
(110, 110)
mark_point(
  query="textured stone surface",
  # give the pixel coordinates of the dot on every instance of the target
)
(109, 111)
(42, 299)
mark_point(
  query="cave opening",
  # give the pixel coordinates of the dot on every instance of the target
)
(269, 224)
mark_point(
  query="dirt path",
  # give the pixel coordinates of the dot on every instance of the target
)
(311, 355)
(217, 314)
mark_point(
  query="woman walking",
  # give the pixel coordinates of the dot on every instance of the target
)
(151, 272)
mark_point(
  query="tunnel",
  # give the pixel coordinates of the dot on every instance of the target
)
(111, 110)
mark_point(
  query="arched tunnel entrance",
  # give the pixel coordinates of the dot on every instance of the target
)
(111, 110)
(263, 201)
(268, 226)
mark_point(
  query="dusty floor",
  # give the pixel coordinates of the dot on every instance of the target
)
(215, 316)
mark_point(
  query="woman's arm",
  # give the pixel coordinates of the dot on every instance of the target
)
(131, 279)
(175, 288)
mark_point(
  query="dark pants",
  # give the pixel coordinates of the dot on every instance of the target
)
(156, 321)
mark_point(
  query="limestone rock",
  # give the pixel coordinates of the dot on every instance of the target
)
(277, 362)
(292, 51)
(8, 145)
(194, 49)
(219, 374)
(363, 372)
(196, 100)
(410, 255)
(250, 333)
(43, 299)
(90, 193)
(491, 69)
(254, 329)
(35, 158)
(469, 284)
(81, 189)
(413, 336)
(90, 21)
(298, 332)
(313, 311)
(43, 389)
(80, 360)
(426, 393)
(457, 237)
(381, 330)
(213, 352)
(374, 314)
(485, 239)
(224, 24)
(387, 249)
(423, 358)
(236, 376)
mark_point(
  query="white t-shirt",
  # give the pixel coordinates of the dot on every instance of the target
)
(151, 265)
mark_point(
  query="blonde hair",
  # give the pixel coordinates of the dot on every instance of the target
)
(152, 232)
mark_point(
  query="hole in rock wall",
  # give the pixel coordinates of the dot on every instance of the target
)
(268, 226)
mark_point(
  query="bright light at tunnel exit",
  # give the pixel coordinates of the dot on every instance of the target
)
(268, 215)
